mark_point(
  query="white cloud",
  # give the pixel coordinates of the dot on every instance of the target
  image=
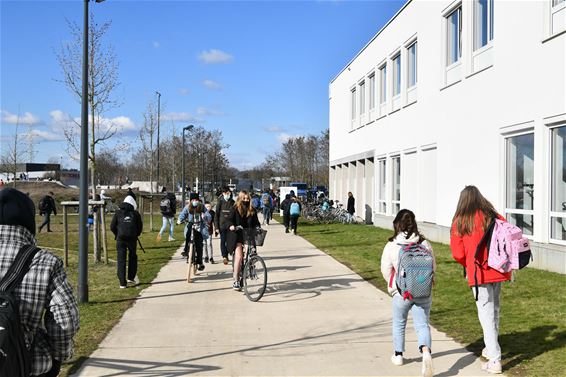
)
(211, 84)
(203, 111)
(122, 123)
(283, 137)
(61, 121)
(26, 118)
(38, 135)
(183, 91)
(179, 117)
(273, 128)
(215, 56)
(156, 44)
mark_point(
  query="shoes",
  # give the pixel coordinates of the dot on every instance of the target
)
(493, 367)
(484, 353)
(397, 360)
(158, 238)
(184, 254)
(211, 261)
(286, 230)
(171, 239)
(134, 282)
(294, 232)
(427, 370)
(225, 260)
(49, 231)
(206, 260)
(123, 286)
(201, 267)
(236, 286)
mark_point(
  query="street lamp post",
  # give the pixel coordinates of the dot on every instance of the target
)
(82, 284)
(188, 128)
(158, 124)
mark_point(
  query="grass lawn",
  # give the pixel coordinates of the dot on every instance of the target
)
(107, 302)
(533, 308)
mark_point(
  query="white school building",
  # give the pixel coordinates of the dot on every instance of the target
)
(456, 93)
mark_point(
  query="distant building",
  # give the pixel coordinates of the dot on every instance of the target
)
(452, 93)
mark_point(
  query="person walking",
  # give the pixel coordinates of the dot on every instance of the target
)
(48, 311)
(127, 226)
(242, 214)
(351, 207)
(473, 215)
(223, 208)
(294, 213)
(168, 207)
(196, 230)
(405, 232)
(285, 206)
(46, 207)
(207, 245)
(266, 206)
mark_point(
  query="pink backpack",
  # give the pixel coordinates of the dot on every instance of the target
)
(509, 249)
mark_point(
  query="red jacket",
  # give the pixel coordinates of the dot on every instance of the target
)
(464, 251)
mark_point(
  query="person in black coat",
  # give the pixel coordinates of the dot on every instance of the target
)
(285, 204)
(127, 226)
(351, 204)
(46, 207)
(223, 208)
(244, 215)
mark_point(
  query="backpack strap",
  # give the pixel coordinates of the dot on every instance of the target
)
(485, 241)
(20, 267)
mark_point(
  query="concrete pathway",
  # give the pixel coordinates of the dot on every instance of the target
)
(318, 318)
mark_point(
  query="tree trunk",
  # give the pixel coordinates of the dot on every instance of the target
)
(96, 225)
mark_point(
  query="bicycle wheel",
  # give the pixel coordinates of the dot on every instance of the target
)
(255, 278)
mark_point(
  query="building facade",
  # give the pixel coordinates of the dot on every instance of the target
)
(453, 93)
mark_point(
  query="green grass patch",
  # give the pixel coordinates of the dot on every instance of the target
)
(107, 302)
(533, 308)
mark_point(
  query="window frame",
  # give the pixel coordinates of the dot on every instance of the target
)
(382, 83)
(456, 8)
(362, 97)
(396, 75)
(353, 107)
(489, 26)
(372, 94)
(554, 9)
(382, 186)
(411, 44)
(553, 214)
(395, 202)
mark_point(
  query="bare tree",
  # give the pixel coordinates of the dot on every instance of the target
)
(147, 134)
(13, 154)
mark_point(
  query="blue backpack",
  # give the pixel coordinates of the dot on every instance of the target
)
(295, 209)
(415, 271)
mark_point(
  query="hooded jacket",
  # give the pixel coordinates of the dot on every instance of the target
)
(222, 217)
(202, 223)
(390, 258)
(126, 209)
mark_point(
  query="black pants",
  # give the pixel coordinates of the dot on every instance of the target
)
(55, 369)
(46, 221)
(294, 222)
(223, 248)
(123, 246)
(197, 244)
(286, 221)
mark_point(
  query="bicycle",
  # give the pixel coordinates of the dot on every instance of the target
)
(253, 272)
(192, 268)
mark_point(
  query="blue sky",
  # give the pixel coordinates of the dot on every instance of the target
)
(257, 71)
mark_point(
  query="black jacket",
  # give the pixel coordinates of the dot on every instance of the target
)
(245, 221)
(51, 207)
(351, 209)
(223, 208)
(285, 206)
(173, 201)
(134, 226)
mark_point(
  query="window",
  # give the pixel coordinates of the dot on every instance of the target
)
(520, 181)
(362, 97)
(454, 33)
(383, 84)
(397, 75)
(412, 60)
(483, 23)
(396, 192)
(557, 16)
(558, 185)
(382, 187)
(557, 2)
(353, 103)
(372, 91)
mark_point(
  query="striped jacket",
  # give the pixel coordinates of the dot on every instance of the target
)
(48, 309)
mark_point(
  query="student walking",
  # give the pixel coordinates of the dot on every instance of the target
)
(473, 216)
(168, 207)
(266, 206)
(207, 245)
(196, 231)
(223, 208)
(409, 245)
(46, 207)
(294, 213)
(127, 226)
(285, 206)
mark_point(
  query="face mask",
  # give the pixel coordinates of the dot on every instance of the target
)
(195, 204)
(246, 202)
(226, 197)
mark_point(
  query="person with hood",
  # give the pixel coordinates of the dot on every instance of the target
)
(266, 206)
(223, 208)
(168, 207)
(131, 193)
(197, 217)
(405, 232)
(48, 312)
(285, 206)
(127, 227)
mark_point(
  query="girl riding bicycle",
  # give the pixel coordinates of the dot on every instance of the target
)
(197, 217)
(245, 216)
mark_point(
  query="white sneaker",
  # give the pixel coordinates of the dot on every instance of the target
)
(123, 287)
(493, 367)
(397, 360)
(427, 369)
(484, 353)
(134, 282)
(171, 239)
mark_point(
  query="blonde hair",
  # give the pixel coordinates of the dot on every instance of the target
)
(240, 206)
(471, 201)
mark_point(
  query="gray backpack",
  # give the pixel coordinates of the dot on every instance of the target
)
(415, 271)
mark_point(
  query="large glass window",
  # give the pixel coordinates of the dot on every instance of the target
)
(396, 192)
(558, 185)
(483, 23)
(520, 181)
(362, 97)
(372, 91)
(383, 84)
(353, 94)
(412, 60)
(556, 2)
(382, 187)
(454, 33)
(397, 74)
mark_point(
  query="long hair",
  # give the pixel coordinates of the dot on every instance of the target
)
(405, 222)
(240, 205)
(197, 209)
(471, 201)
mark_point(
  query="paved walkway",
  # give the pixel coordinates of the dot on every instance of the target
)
(318, 318)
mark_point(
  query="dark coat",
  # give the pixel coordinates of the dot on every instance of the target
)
(222, 216)
(173, 201)
(285, 206)
(126, 209)
(351, 206)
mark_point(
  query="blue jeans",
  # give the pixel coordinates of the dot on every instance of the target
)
(266, 214)
(164, 227)
(223, 248)
(421, 311)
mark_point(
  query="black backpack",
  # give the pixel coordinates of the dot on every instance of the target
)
(15, 358)
(43, 204)
(165, 205)
(126, 224)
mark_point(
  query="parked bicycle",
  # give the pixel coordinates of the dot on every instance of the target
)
(253, 276)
